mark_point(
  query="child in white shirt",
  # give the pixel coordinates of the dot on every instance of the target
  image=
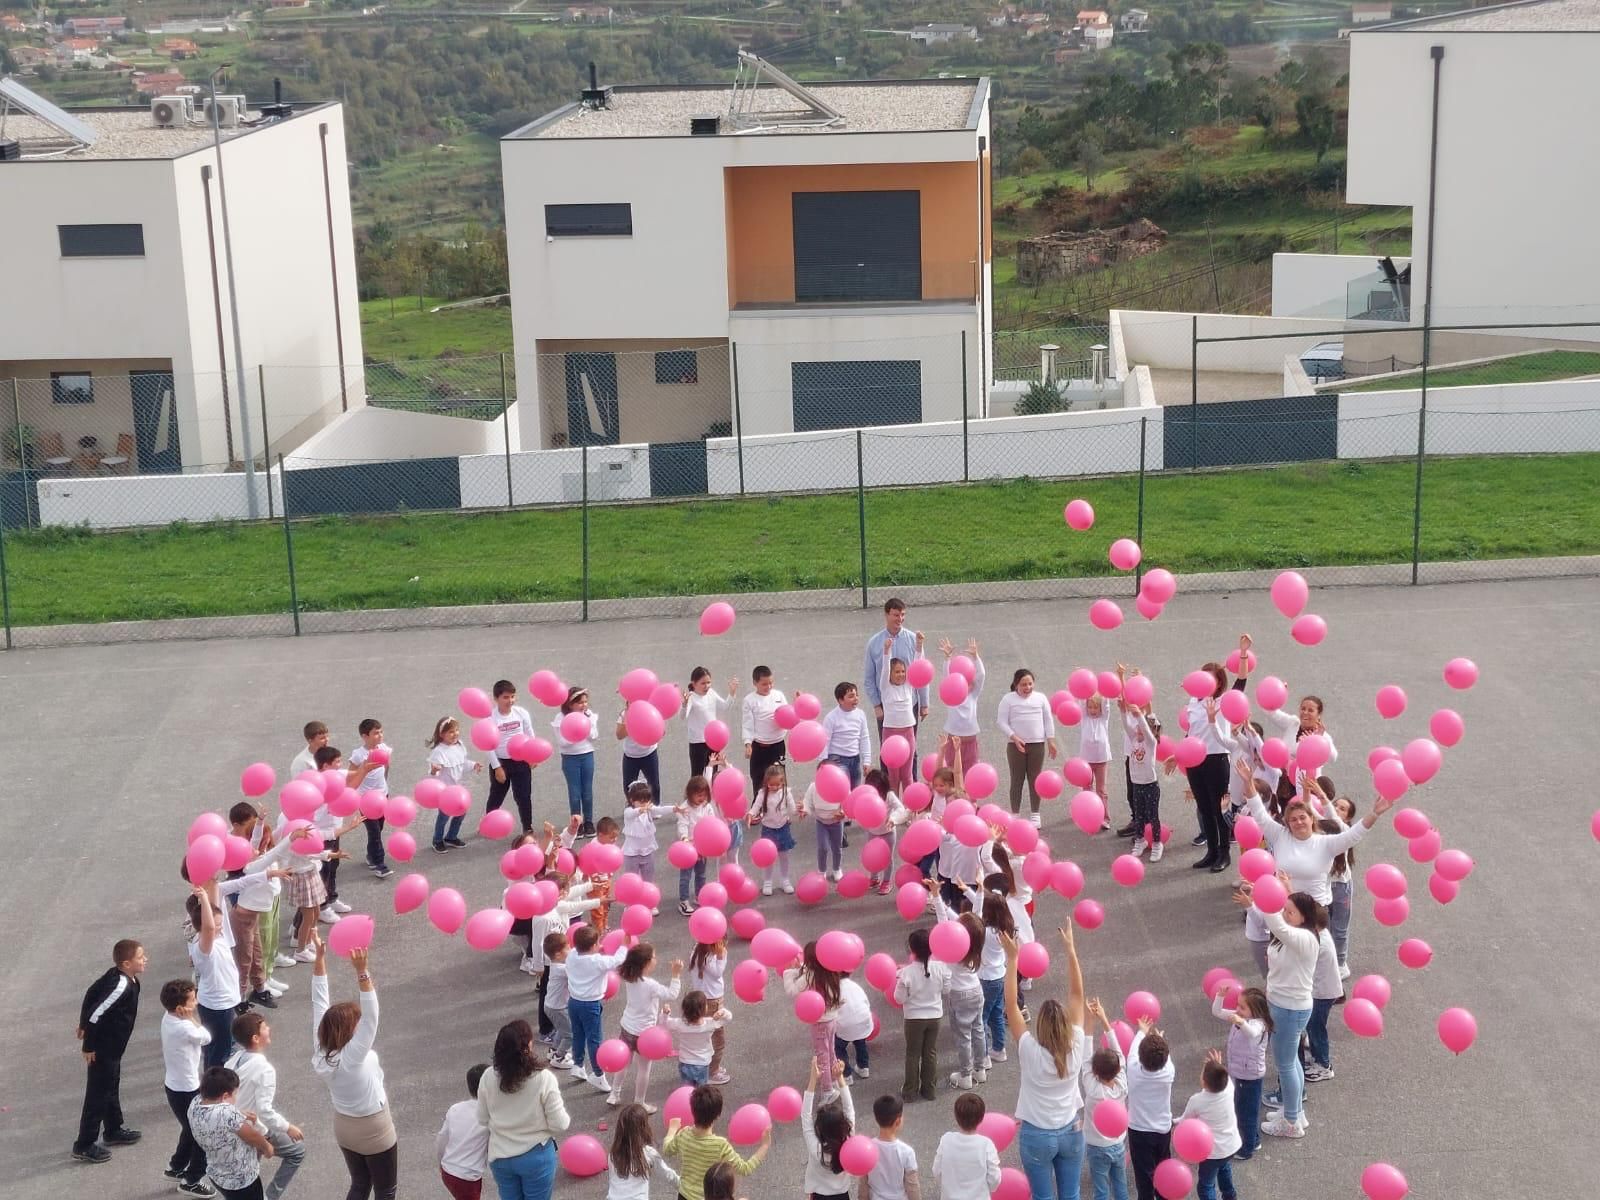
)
(895, 815)
(634, 1159)
(1213, 1104)
(1105, 1078)
(639, 832)
(183, 1041)
(1150, 1076)
(462, 1145)
(894, 1175)
(369, 772)
(556, 995)
(447, 759)
(642, 1001)
(693, 1033)
(966, 1163)
(899, 701)
(772, 810)
(849, 735)
(826, 1128)
(1094, 745)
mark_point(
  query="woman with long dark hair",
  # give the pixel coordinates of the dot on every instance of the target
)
(344, 1058)
(1050, 1061)
(520, 1104)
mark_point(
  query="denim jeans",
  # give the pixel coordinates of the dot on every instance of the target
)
(528, 1176)
(1287, 1026)
(1108, 1171)
(694, 1074)
(1317, 1032)
(1247, 1111)
(841, 1051)
(1052, 1159)
(830, 843)
(1339, 921)
(698, 873)
(994, 1012)
(850, 764)
(585, 1018)
(446, 826)
(578, 771)
(1215, 1172)
(647, 768)
(219, 1022)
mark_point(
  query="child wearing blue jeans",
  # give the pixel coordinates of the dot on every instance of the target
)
(586, 990)
(695, 808)
(692, 1035)
(1213, 1104)
(1105, 1078)
(447, 759)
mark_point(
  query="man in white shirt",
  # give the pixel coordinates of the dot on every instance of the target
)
(257, 1092)
(905, 649)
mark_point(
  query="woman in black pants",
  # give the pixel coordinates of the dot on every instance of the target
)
(1208, 780)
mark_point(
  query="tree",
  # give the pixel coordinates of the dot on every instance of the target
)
(1030, 161)
(1043, 396)
(1091, 159)
(1317, 126)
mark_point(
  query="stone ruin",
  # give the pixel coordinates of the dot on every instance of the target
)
(1058, 256)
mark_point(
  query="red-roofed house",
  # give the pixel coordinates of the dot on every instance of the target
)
(77, 26)
(158, 83)
(180, 48)
(1093, 16)
(11, 23)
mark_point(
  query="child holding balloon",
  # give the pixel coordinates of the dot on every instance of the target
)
(808, 974)
(773, 809)
(576, 740)
(1104, 1078)
(1213, 1105)
(447, 759)
(642, 1001)
(826, 1127)
(882, 833)
(919, 989)
(1094, 747)
(701, 706)
(695, 808)
(958, 748)
(899, 700)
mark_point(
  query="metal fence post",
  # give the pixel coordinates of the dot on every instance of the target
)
(5, 581)
(1138, 571)
(966, 446)
(505, 428)
(861, 511)
(288, 546)
(585, 453)
(738, 416)
(1194, 392)
(266, 437)
(28, 501)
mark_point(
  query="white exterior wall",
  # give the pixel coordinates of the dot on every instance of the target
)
(1314, 285)
(152, 500)
(1516, 239)
(369, 434)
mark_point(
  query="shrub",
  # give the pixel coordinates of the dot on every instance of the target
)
(1042, 396)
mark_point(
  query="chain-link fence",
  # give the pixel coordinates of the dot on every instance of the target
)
(772, 488)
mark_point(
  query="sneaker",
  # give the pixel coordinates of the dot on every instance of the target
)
(1035, 819)
(650, 1109)
(864, 1072)
(383, 870)
(1128, 830)
(561, 1062)
(600, 1084)
(996, 1056)
(686, 908)
(614, 1099)
(122, 1137)
(440, 848)
(200, 1187)
(766, 888)
(1244, 1155)
(960, 1082)
(172, 1173)
(1278, 1127)
(1105, 824)
(1273, 1100)
(276, 988)
(578, 1074)
(788, 888)
(309, 954)
(1157, 851)
(980, 1076)
(328, 917)
(94, 1154)
(526, 966)
(455, 843)
(1344, 970)
(339, 906)
(721, 1077)
(987, 1063)
(264, 999)
(1198, 839)
(284, 960)
(1304, 1123)
(1317, 1073)
(1139, 847)
(655, 911)
(883, 888)
(586, 830)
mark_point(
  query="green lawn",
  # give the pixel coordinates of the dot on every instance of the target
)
(1540, 366)
(402, 329)
(1313, 514)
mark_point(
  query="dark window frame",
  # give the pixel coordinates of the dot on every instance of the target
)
(60, 394)
(588, 220)
(103, 240)
(854, 261)
(670, 366)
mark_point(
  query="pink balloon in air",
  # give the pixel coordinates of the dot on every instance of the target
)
(1125, 554)
(1079, 514)
(410, 893)
(1446, 726)
(1192, 1139)
(1272, 693)
(1088, 812)
(205, 857)
(1253, 864)
(953, 689)
(208, 823)
(1421, 759)
(1033, 960)
(716, 618)
(750, 980)
(1457, 1029)
(1391, 912)
(447, 910)
(666, 699)
(655, 1043)
(749, 1124)
(963, 666)
(1068, 712)
(981, 781)
(1160, 585)
(546, 687)
(643, 723)
(712, 837)
(1202, 685)
(1105, 614)
(1454, 865)
(1108, 685)
(1246, 832)
(1391, 701)
(1374, 988)
(811, 888)
(1313, 751)
(774, 948)
(1385, 880)
(1110, 1117)
(807, 741)
(402, 846)
(717, 735)
(1088, 914)
(1067, 879)
(1148, 609)
(1269, 895)
(809, 1006)
(1139, 690)
(1443, 890)
(257, 779)
(1380, 754)
(1235, 707)
(496, 824)
(708, 925)
(1078, 772)
(1390, 779)
(488, 928)
(1127, 870)
(1381, 1181)
(1173, 1179)
(1290, 593)
(1425, 848)
(1309, 630)
(1363, 1018)
(783, 1103)
(747, 922)
(613, 1055)
(858, 1155)
(1461, 673)
(1415, 953)
(683, 855)
(949, 941)
(1214, 979)
(1141, 1004)
(637, 684)
(474, 702)
(236, 852)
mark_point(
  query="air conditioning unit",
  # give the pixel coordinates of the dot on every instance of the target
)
(230, 110)
(171, 112)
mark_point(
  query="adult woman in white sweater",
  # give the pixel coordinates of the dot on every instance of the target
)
(519, 1102)
(1291, 967)
(1302, 853)
(343, 1057)
(1024, 718)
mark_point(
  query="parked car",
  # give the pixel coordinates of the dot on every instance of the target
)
(1324, 361)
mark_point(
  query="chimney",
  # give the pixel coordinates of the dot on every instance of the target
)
(1097, 359)
(1047, 362)
(595, 96)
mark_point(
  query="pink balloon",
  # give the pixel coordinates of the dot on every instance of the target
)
(372, 804)
(1272, 693)
(1078, 514)
(1454, 865)
(677, 1106)
(1214, 979)
(575, 726)
(1191, 752)
(1192, 1139)
(549, 896)
(1461, 673)
(1411, 823)
(613, 1055)
(298, 799)
(1127, 870)
(379, 755)
(895, 751)
(257, 779)
(1269, 895)
(811, 888)
(236, 852)
(1013, 1185)
(487, 928)
(1124, 1035)
(1020, 834)
(1363, 1018)
(1141, 1004)
(920, 839)
(1391, 701)
(636, 920)
(1000, 1128)
(600, 858)
(750, 979)
(1253, 864)
(582, 1156)
(747, 922)
(402, 846)
(1312, 752)
(728, 790)
(774, 948)
(613, 980)
(949, 941)
(1446, 726)
(410, 893)
(1081, 684)
(1385, 880)
(1380, 754)
(712, 837)
(1380, 1181)
(637, 684)
(455, 800)
(1426, 847)
(1088, 812)
(1066, 878)
(1391, 912)
(1421, 759)
(534, 751)
(682, 855)
(953, 689)
(484, 734)
(644, 723)
(840, 951)
(713, 895)
(1105, 614)
(496, 824)
(716, 618)
(1160, 585)
(1110, 1117)
(717, 735)
(981, 781)
(1089, 914)
(1033, 960)
(205, 856)
(1173, 1179)
(1146, 607)
(1309, 630)
(447, 910)
(749, 1124)
(970, 831)
(427, 792)
(522, 899)
(1443, 890)
(400, 810)
(785, 717)
(858, 1155)
(1125, 554)
(808, 740)
(1068, 713)
(911, 901)
(1290, 593)
(1457, 1029)
(1108, 685)
(546, 687)
(783, 1103)
(353, 932)
(1415, 953)
(666, 699)
(1390, 778)
(919, 674)
(1246, 832)
(809, 1006)
(707, 925)
(1374, 988)
(1078, 773)
(875, 855)
(1139, 690)
(763, 852)
(1235, 707)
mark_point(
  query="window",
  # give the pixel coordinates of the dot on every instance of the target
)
(71, 387)
(857, 246)
(678, 366)
(588, 220)
(101, 241)
(848, 395)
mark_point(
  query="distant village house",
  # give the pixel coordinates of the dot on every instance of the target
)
(1371, 12)
(1134, 20)
(942, 31)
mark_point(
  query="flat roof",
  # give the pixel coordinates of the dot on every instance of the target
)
(1531, 16)
(124, 133)
(873, 106)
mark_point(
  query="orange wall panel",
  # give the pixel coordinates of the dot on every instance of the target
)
(760, 225)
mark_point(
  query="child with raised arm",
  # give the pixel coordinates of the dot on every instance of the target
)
(966, 1163)
(639, 762)
(708, 965)
(448, 761)
(701, 1147)
(1213, 1104)
(701, 706)
(958, 748)
(694, 1033)
(642, 1001)
(639, 831)
(586, 989)
(695, 808)
(1104, 1078)
(1142, 730)
(808, 974)
(1150, 1076)
(1246, 1060)
(900, 701)
(826, 1127)
(634, 1159)
(894, 1176)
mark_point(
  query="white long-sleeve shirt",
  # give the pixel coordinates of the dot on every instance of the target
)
(556, 994)
(1306, 860)
(1094, 735)
(1216, 1110)
(637, 1187)
(819, 1179)
(642, 1001)
(586, 973)
(354, 1076)
(1291, 963)
(797, 980)
(709, 979)
(258, 1089)
(849, 735)
(453, 761)
(509, 723)
(691, 1041)
(1026, 717)
(639, 829)
(691, 816)
(966, 1165)
(961, 720)
(462, 1145)
(254, 890)
(899, 700)
(758, 718)
(919, 989)
(584, 745)
(855, 1011)
(1216, 736)
(1095, 1090)
(774, 809)
(699, 711)
(1149, 1092)
(905, 649)
(1286, 726)
(1140, 745)
(1247, 1041)
(217, 972)
(182, 1043)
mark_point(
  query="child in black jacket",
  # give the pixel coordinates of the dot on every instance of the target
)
(110, 1007)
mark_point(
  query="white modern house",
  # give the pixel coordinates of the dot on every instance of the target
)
(764, 259)
(117, 338)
